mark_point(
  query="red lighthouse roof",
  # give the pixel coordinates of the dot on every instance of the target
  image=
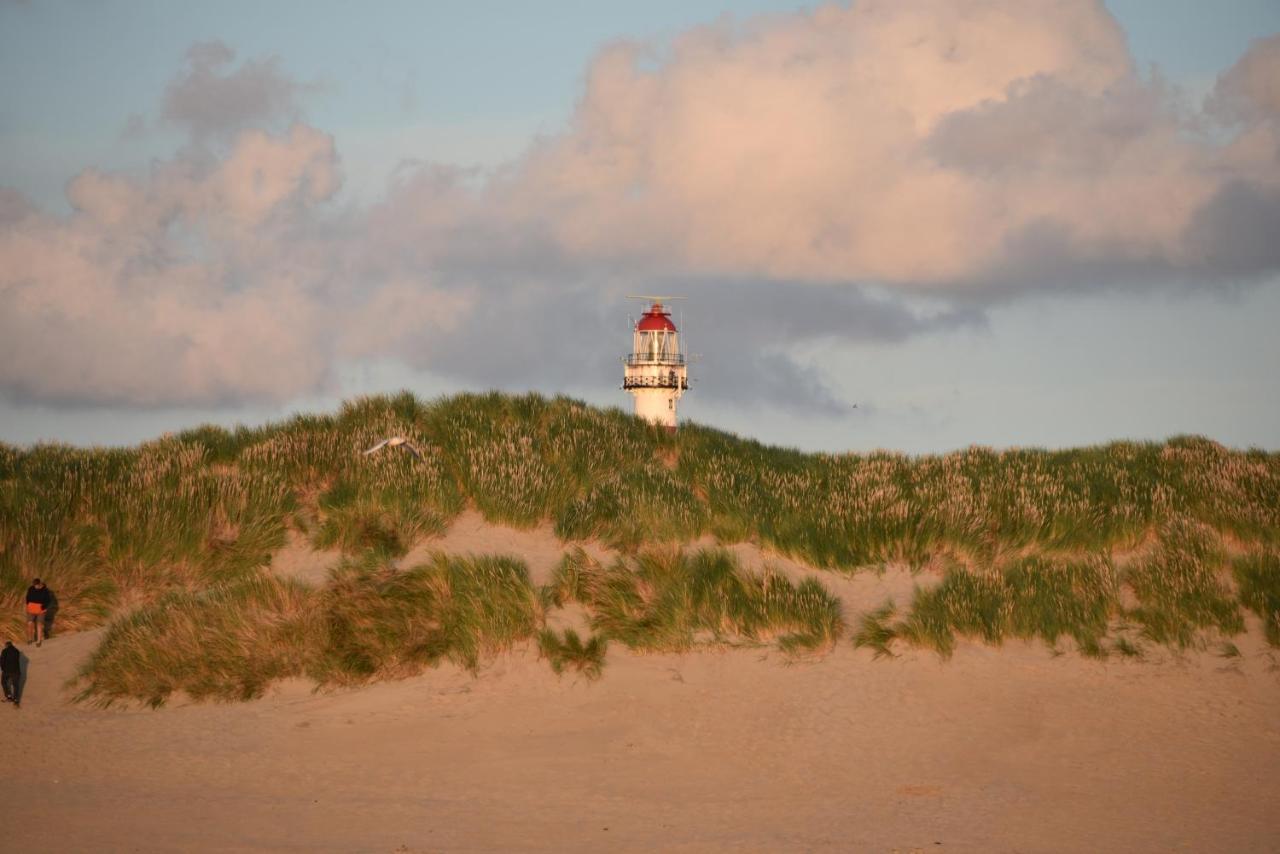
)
(655, 319)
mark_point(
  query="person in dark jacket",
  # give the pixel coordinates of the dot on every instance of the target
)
(37, 605)
(10, 671)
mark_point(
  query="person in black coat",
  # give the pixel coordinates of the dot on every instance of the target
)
(10, 671)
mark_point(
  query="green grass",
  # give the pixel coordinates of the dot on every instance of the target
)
(379, 623)
(1029, 532)
(1181, 587)
(876, 631)
(567, 650)
(670, 600)
(1031, 597)
(225, 643)
(1258, 578)
(368, 623)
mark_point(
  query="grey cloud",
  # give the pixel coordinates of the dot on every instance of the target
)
(556, 335)
(210, 99)
(1230, 239)
(1237, 233)
(1048, 255)
(772, 379)
(1046, 126)
(1133, 138)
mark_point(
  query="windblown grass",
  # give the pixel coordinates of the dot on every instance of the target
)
(379, 623)
(876, 631)
(369, 623)
(1181, 589)
(225, 643)
(670, 600)
(1258, 577)
(206, 508)
(569, 651)
(1032, 597)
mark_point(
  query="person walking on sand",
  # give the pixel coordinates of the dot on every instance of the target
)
(10, 671)
(37, 605)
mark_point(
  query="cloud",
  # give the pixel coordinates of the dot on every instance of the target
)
(869, 173)
(914, 144)
(1236, 231)
(211, 100)
(211, 280)
(528, 332)
(1250, 91)
(189, 287)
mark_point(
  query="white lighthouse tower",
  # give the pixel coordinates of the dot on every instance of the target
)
(656, 373)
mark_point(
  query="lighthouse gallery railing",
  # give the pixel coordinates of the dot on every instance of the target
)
(656, 382)
(646, 359)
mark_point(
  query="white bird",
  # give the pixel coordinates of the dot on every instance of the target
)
(395, 442)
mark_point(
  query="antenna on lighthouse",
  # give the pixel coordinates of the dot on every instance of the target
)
(656, 300)
(656, 371)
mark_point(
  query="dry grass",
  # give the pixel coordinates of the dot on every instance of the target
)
(670, 600)
(370, 622)
(226, 643)
(204, 510)
(569, 651)
(1030, 597)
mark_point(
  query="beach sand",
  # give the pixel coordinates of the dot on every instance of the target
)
(996, 749)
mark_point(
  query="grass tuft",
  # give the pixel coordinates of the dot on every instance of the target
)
(877, 632)
(369, 623)
(670, 600)
(1258, 579)
(569, 650)
(225, 643)
(1180, 589)
(379, 623)
(1030, 597)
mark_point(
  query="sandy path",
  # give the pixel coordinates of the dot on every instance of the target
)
(995, 750)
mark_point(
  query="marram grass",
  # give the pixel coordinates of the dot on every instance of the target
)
(1035, 538)
(1258, 579)
(671, 600)
(568, 651)
(226, 643)
(1181, 586)
(380, 623)
(1031, 597)
(370, 622)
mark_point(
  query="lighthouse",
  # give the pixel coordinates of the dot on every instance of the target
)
(655, 372)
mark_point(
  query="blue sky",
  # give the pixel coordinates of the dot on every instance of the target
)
(1136, 337)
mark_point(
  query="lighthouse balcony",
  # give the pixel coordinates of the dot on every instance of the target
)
(669, 381)
(633, 359)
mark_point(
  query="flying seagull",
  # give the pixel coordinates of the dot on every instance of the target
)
(395, 442)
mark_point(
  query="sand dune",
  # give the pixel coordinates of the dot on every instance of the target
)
(541, 551)
(469, 533)
(1007, 749)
